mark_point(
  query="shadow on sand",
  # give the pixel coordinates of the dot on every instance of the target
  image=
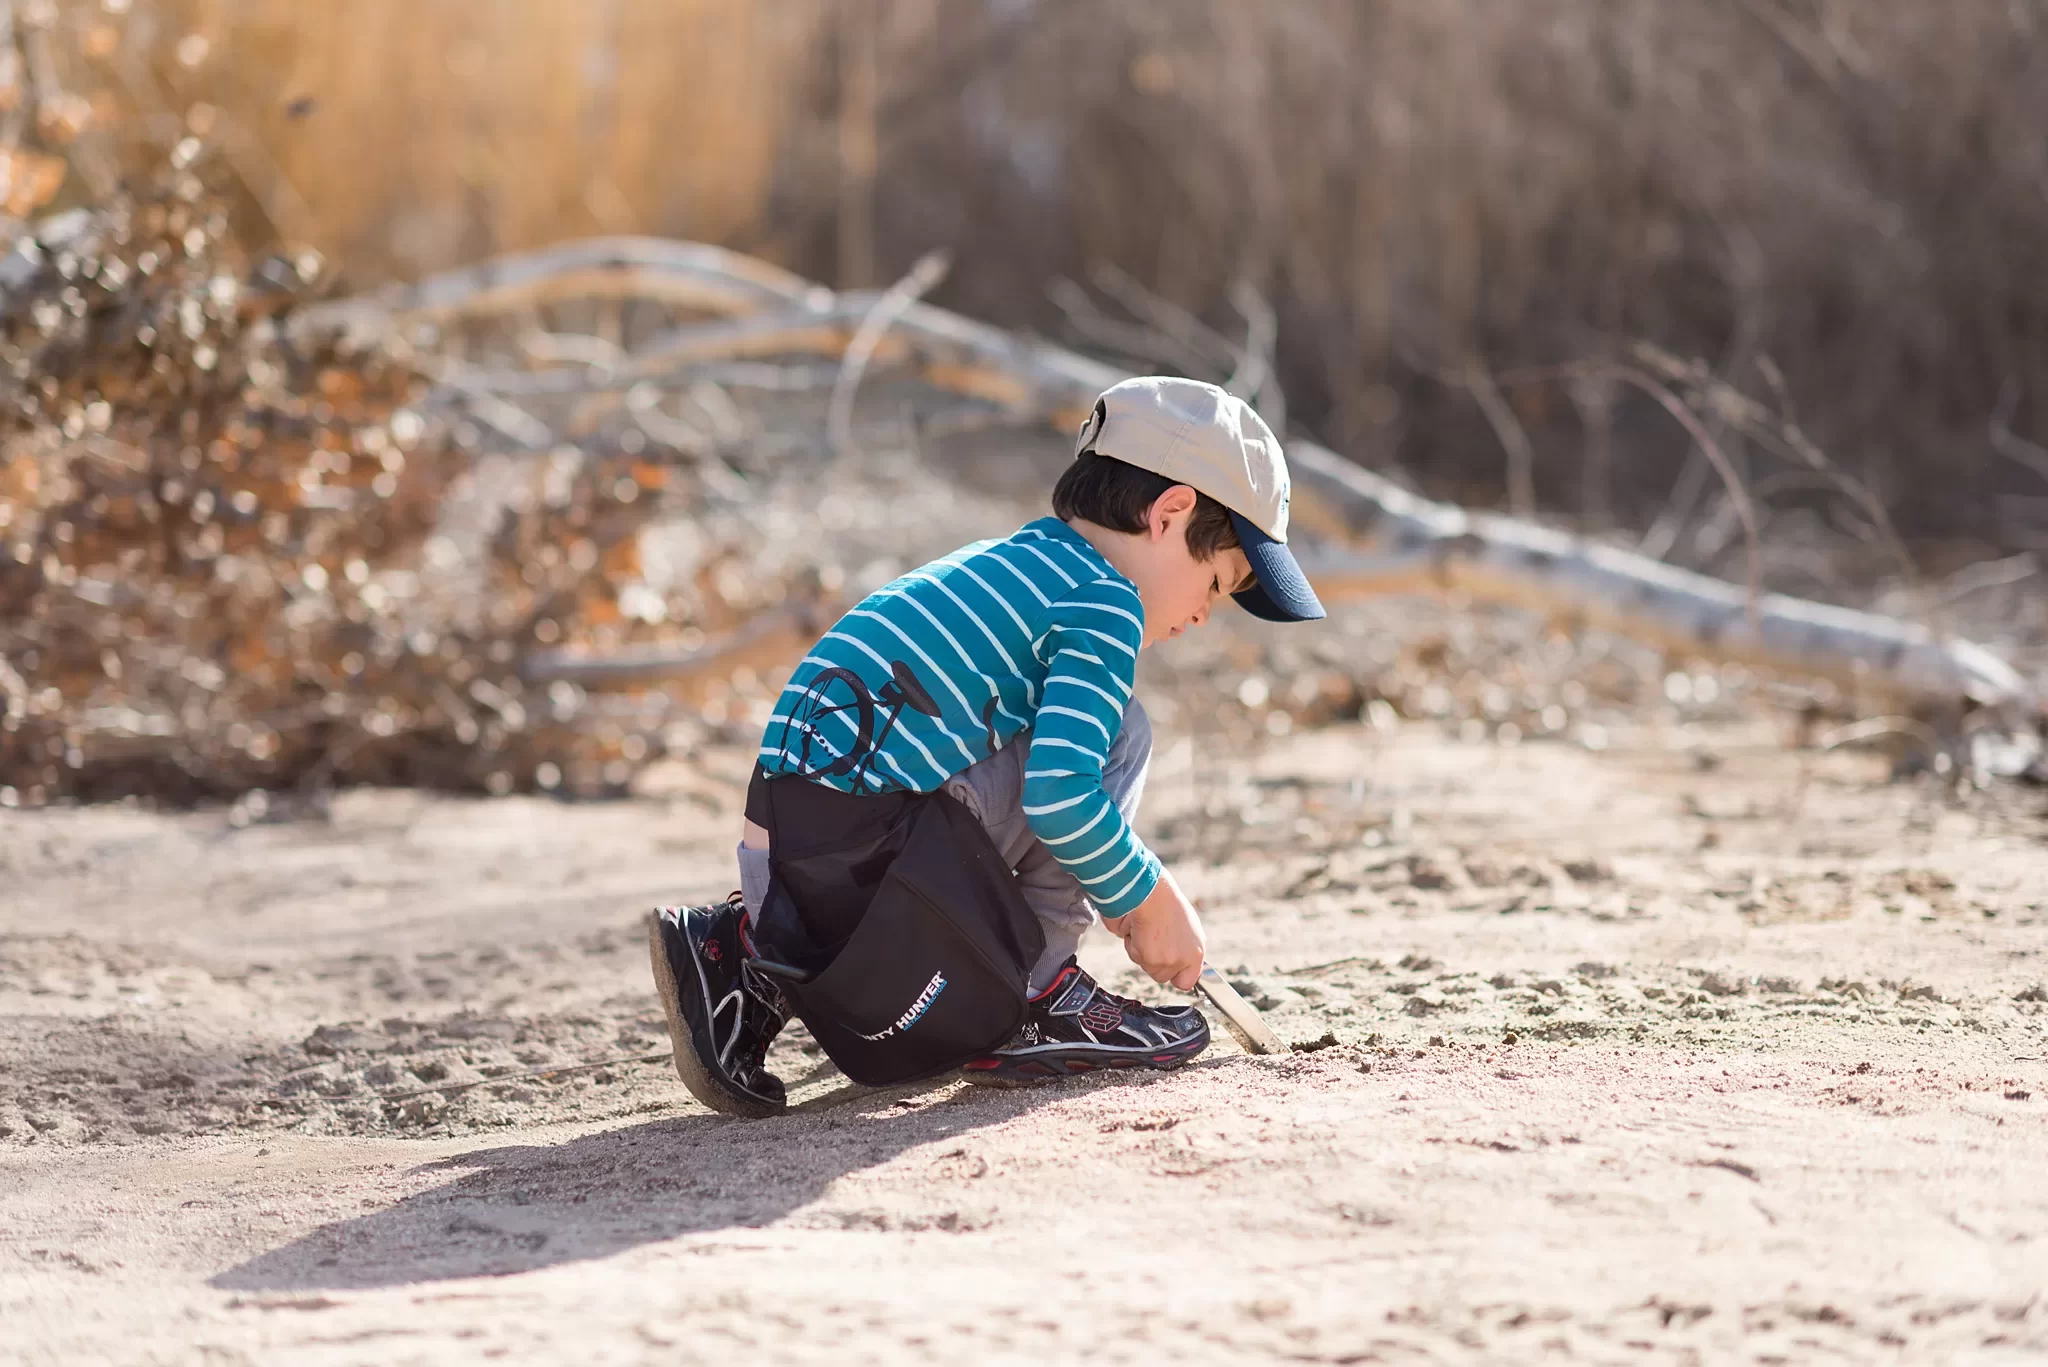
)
(524, 1207)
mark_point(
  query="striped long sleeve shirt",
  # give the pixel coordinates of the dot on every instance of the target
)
(949, 663)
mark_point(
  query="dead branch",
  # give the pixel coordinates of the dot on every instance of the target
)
(923, 278)
(1399, 543)
(690, 275)
(1364, 534)
(2010, 444)
(1990, 574)
(1508, 430)
(1777, 431)
(1703, 441)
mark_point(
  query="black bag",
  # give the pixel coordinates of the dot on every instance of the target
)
(901, 938)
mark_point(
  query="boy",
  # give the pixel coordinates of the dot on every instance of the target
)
(1002, 675)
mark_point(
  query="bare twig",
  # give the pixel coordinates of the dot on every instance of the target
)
(1593, 398)
(1133, 341)
(1818, 56)
(1779, 432)
(1678, 507)
(1507, 428)
(1702, 438)
(1990, 574)
(1169, 318)
(1256, 378)
(2009, 444)
(923, 278)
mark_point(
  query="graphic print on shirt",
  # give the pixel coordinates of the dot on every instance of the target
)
(837, 691)
(988, 722)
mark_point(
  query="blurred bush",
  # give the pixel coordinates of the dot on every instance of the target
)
(1840, 207)
(227, 555)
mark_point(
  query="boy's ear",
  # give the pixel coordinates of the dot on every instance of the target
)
(1178, 500)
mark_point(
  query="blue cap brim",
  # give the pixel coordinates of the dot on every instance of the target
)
(1281, 593)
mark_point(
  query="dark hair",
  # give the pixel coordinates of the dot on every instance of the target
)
(1110, 493)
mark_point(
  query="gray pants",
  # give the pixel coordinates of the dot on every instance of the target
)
(994, 791)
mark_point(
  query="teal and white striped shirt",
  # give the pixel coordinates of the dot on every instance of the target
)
(946, 665)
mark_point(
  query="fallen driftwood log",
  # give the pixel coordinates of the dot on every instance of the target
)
(1363, 534)
(692, 275)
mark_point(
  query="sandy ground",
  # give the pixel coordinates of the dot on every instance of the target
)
(1694, 1050)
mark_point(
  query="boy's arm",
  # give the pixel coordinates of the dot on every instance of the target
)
(1089, 643)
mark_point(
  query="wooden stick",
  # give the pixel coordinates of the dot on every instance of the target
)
(1239, 1015)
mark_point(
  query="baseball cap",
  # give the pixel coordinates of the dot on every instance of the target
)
(1207, 438)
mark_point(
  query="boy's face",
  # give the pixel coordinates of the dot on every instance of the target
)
(1178, 590)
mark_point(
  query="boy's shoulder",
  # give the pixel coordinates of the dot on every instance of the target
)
(1056, 560)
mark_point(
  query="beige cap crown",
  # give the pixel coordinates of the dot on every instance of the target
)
(1199, 435)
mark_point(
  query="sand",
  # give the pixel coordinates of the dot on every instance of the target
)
(1693, 1050)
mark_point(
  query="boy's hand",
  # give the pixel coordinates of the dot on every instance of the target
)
(1163, 935)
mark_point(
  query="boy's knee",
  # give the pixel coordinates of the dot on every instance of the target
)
(754, 875)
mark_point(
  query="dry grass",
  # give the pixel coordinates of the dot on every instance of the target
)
(408, 135)
(1840, 205)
